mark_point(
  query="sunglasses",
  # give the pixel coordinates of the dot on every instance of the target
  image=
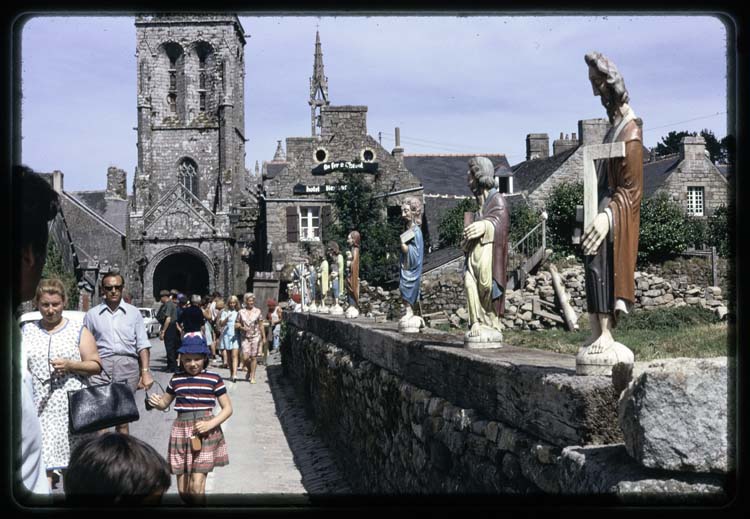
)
(112, 288)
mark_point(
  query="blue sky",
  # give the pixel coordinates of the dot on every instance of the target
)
(451, 84)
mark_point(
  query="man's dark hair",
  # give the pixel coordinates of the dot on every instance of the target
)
(35, 204)
(113, 275)
(114, 468)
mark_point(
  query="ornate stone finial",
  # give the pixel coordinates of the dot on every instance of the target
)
(279, 156)
(257, 168)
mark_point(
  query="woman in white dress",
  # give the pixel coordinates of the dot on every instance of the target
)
(60, 354)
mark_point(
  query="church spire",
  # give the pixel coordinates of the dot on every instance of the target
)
(279, 156)
(318, 87)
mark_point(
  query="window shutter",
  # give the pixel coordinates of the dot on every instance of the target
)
(292, 224)
(325, 221)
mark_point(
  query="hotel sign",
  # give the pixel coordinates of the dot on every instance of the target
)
(301, 189)
(345, 165)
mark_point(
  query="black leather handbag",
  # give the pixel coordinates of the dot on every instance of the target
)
(97, 407)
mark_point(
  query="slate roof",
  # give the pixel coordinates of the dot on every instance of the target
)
(530, 174)
(111, 210)
(723, 169)
(274, 168)
(446, 174)
(656, 172)
(440, 257)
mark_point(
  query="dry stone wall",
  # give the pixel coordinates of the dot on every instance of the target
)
(443, 293)
(418, 417)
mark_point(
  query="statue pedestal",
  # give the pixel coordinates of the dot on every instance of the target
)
(488, 338)
(352, 312)
(601, 363)
(336, 309)
(411, 325)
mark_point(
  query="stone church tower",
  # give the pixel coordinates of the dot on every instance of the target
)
(191, 224)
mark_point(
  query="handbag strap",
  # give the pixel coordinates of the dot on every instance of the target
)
(104, 370)
(163, 391)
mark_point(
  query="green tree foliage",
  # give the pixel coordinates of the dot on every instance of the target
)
(54, 268)
(561, 209)
(713, 146)
(663, 231)
(670, 143)
(358, 209)
(451, 226)
(523, 218)
(719, 225)
(696, 232)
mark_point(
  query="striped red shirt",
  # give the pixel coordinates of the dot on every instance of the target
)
(196, 393)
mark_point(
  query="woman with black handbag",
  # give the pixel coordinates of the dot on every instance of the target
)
(60, 354)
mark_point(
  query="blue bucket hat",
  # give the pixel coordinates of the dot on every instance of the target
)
(194, 344)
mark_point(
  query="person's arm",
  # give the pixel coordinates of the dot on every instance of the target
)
(215, 421)
(164, 327)
(90, 364)
(161, 402)
(146, 380)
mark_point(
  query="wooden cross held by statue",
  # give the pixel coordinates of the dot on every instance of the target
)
(590, 207)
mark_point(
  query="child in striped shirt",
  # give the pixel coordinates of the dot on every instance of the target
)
(195, 392)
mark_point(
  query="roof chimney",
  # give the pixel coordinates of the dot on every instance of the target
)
(592, 131)
(398, 151)
(57, 181)
(537, 146)
(693, 148)
(116, 184)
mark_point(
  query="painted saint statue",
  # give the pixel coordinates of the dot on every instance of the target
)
(610, 241)
(485, 243)
(411, 257)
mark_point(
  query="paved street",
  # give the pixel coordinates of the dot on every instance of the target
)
(274, 457)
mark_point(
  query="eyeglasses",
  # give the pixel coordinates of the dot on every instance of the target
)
(112, 288)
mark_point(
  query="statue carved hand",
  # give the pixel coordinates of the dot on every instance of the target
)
(595, 233)
(474, 231)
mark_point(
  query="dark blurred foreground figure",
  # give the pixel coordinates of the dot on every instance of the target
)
(116, 469)
(35, 203)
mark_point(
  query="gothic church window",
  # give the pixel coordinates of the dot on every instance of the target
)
(188, 176)
(205, 62)
(175, 83)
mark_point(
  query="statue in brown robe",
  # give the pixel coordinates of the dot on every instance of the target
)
(610, 242)
(485, 242)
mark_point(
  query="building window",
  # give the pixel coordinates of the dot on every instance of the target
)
(309, 223)
(188, 176)
(695, 201)
(172, 102)
(202, 100)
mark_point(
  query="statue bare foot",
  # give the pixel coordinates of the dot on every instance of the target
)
(475, 330)
(603, 342)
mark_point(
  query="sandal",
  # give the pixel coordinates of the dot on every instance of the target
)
(252, 381)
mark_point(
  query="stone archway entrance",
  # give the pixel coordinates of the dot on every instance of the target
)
(183, 271)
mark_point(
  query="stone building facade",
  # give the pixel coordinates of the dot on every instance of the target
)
(689, 178)
(294, 207)
(191, 223)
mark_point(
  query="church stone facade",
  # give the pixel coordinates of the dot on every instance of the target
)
(193, 213)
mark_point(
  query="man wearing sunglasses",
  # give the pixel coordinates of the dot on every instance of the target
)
(121, 339)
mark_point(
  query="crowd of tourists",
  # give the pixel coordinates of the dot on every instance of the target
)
(62, 355)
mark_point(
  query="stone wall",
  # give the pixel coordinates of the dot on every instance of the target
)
(425, 416)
